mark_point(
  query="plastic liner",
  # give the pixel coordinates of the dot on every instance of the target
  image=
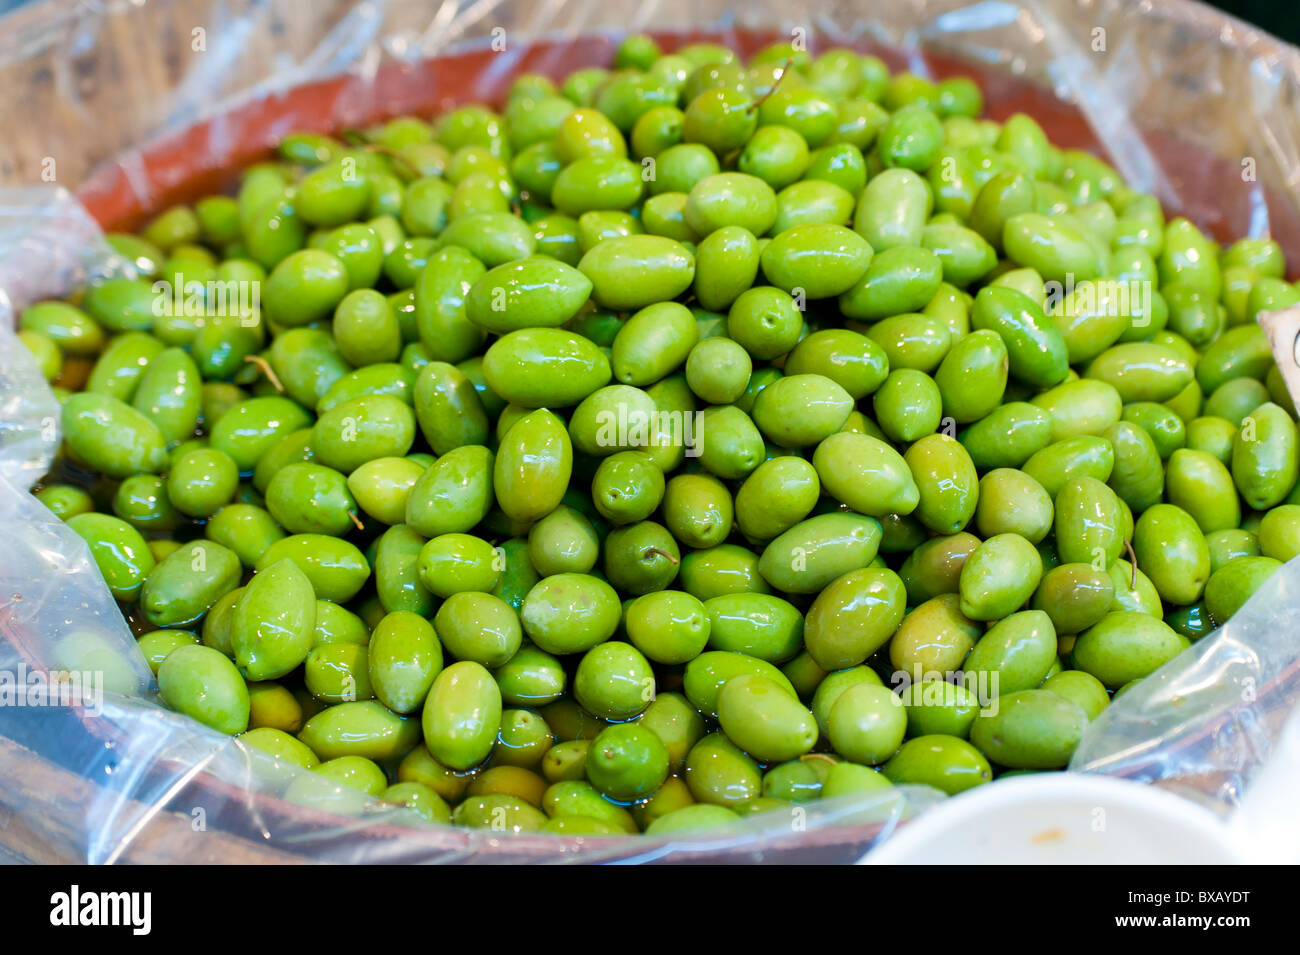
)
(1206, 722)
(1187, 103)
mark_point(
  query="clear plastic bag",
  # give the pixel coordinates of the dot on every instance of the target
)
(1187, 103)
(1205, 723)
(49, 226)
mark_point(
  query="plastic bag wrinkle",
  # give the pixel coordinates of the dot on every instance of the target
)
(1207, 722)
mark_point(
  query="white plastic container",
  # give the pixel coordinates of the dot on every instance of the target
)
(1090, 819)
(1062, 819)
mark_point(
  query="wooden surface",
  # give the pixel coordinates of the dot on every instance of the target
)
(42, 807)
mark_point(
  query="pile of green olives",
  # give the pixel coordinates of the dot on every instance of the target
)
(690, 440)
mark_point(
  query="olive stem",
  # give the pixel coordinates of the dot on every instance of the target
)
(662, 553)
(1133, 562)
(356, 520)
(267, 370)
(789, 61)
(821, 756)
